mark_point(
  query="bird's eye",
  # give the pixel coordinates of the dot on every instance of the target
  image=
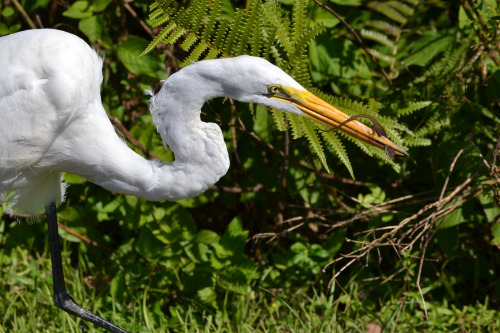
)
(273, 89)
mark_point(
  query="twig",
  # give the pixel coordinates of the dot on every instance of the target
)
(119, 126)
(77, 235)
(141, 21)
(24, 14)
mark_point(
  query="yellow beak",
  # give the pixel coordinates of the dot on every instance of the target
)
(320, 111)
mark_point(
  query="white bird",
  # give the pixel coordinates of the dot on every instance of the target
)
(52, 121)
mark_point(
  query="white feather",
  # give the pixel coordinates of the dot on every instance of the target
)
(53, 121)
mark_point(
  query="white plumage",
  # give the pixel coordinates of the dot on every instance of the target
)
(52, 120)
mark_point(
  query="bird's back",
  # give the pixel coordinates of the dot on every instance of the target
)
(47, 78)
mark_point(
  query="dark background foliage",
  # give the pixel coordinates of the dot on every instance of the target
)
(414, 248)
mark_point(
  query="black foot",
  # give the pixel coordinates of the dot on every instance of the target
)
(61, 297)
(67, 303)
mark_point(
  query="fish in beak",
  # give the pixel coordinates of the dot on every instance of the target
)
(315, 108)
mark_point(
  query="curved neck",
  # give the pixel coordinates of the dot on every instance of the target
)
(201, 159)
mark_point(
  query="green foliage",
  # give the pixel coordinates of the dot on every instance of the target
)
(277, 245)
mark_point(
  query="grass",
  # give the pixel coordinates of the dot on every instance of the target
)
(26, 300)
(26, 305)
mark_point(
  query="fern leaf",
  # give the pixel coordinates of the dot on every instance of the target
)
(306, 37)
(378, 37)
(189, 41)
(412, 107)
(282, 27)
(195, 54)
(175, 36)
(160, 38)
(401, 7)
(212, 54)
(382, 56)
(332, 139)
(294, 122)
(199, 16)
(268, 46)
(279, 119)
(298, 18)
(387, 10)
(211, 21)
(244, 37)
(238, 20)
(417, 142)
(221, 33)
(309, 129)
(384, 26)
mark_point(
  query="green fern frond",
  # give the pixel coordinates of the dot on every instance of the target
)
(282, 26)
(402, 128)
(309, 129)
(417, 142)
(212, 20)
(159, 38)
(189, 41)
(279, 119)
(388, 11)
(378, 37)
(298, 18)
(295, 125)
(381, 56)
(239, 20)
(305, 38)
(175, 36)
(433, 124)
(332, 139)
(385, 27)
(451, 59)
(218, 42)
(401, 7)
(412, 107)
(195, 55)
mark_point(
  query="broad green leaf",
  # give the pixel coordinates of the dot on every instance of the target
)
(490, 207)
(207, 237)
(451, 220)
(234, 239)
(177, 226)
(117, 287)
(100, 5)
(79, 10)
(148, 245)
(207, 295)
(8, 11)
(336, 57)
(149, 64)
(73, 179)
(94, 27)
(263, 124)
(321, 16)
(430, 44)
(334, 242)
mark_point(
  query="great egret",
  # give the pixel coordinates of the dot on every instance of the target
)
(52, 121)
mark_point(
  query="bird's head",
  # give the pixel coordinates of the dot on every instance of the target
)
(252, 79)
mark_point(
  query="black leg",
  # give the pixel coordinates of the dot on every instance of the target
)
(61, 297)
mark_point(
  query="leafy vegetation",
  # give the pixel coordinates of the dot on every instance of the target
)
(280, 244)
